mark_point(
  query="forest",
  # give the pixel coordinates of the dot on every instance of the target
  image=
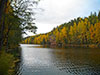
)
(79, 32)
(15, 19)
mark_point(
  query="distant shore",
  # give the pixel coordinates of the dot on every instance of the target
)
(74, 46)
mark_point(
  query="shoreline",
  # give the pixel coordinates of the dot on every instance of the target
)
(74, 46)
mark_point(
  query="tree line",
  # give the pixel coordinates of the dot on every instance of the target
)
(80, 31)
(16, 17)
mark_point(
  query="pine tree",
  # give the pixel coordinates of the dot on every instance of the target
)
(99, 16)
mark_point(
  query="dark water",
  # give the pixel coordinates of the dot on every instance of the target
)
(48, 61)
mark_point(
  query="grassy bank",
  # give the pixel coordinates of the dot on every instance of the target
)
(9, 61)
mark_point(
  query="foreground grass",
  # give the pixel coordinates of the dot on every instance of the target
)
(8, 62)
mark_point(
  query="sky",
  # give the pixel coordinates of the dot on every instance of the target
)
(56, 12)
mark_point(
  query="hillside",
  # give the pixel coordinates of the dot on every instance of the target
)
(78, 32)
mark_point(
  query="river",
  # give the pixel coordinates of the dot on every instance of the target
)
(48, 61)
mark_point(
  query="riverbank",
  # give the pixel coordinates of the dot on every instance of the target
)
(17, 55)
(9, 61)
(82, 46)
(73, 46)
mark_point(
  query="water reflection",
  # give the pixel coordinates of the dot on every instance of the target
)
(78, 61)
(47, 61)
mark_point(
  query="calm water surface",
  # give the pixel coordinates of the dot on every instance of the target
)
(49, 61)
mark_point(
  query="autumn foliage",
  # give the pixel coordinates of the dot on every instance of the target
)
(80, 31)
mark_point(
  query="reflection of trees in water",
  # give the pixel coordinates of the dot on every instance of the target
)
(83, 61)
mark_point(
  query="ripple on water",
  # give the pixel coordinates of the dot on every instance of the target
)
(46, 61)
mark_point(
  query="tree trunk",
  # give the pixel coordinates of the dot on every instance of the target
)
(1, 34)
(3, 5)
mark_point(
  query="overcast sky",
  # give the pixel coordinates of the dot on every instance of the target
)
(57, 12)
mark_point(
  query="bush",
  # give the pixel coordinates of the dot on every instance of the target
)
(6, 62)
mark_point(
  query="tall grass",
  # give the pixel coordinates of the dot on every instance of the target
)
(6, 63)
